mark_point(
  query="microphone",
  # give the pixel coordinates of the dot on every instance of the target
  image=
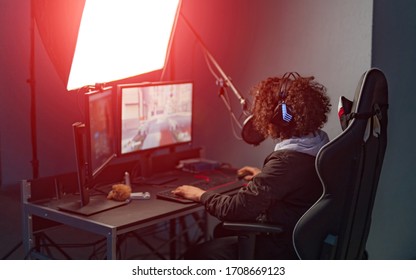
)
(250, 134)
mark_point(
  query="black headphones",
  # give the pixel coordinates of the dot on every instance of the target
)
(282, 114)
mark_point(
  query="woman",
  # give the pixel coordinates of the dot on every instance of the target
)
(291, 109)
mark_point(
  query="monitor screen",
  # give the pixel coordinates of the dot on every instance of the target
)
(100, 129)
(154, 115)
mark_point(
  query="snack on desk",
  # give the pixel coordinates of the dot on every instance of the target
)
(119, 192)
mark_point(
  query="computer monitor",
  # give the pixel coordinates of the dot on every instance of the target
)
(100, 129)
(94, 149)
(154, 116)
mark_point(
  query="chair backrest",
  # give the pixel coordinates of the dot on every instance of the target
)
(349, 166)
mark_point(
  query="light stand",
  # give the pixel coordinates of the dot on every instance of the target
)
(31, 81)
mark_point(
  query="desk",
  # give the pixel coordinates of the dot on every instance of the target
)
(109, 224)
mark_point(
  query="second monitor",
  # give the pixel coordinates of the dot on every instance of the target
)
(154, 115)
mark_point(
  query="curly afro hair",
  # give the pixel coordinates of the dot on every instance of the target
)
(306, 99)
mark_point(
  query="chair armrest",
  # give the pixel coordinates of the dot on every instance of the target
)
(246, 233)
(253, 227)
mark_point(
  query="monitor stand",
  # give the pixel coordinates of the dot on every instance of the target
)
(86, 205)
(96, 205)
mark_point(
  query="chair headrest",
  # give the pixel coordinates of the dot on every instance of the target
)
(344, 110)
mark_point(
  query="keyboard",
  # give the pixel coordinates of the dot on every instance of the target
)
(220, 185)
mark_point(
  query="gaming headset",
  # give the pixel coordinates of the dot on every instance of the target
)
(282, 114)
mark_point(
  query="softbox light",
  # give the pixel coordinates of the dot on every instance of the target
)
(98, 41)
(120, 39)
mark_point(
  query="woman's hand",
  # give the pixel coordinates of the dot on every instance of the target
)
(189, 192)
(248, 172)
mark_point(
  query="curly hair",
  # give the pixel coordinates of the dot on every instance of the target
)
(306, 98)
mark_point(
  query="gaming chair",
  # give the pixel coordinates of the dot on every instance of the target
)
(349, 166)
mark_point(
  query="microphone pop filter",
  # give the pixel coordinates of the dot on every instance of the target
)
(250, 134)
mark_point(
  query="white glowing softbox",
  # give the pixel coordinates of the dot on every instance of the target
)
(121, 38)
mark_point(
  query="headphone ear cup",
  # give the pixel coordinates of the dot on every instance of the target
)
(282, 115)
